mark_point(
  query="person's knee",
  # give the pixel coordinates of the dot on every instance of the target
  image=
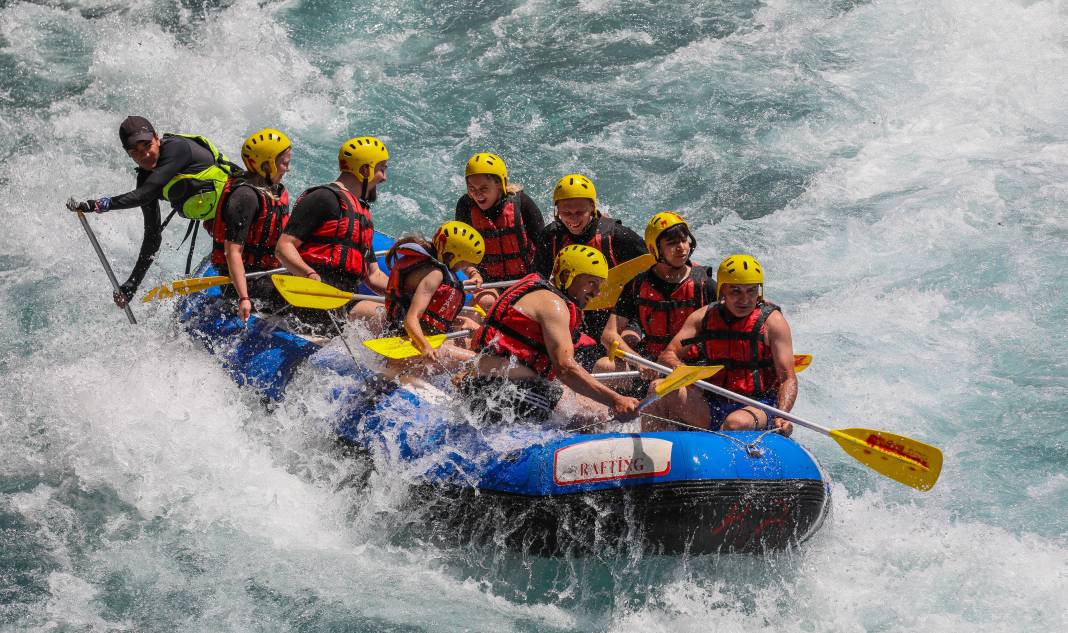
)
(744, 419)
(604, 364)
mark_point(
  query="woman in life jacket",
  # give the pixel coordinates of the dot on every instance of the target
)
(253, 211)
(424, 296)
(579, 220)
(507, 218)
(751, 339)
(654, 305)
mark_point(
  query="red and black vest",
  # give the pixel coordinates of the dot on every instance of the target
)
(509, 253)
(601, 239)
(343, 243)
(662, 317)
(737, 344)
(509, 332)
(445, 303)
(263, 234)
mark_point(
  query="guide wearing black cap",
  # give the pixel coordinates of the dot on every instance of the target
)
(186, 170)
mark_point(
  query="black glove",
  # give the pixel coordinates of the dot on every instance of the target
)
(90, 206)
(125, 293)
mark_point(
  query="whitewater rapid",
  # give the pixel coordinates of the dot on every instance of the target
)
(898, 167)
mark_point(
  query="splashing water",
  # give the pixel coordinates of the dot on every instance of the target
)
(899, 168)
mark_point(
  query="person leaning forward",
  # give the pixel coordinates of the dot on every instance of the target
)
(329, 236)
(186, 170)
(528, 339)
(750, 338)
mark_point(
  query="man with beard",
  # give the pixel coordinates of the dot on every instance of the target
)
(330, 233)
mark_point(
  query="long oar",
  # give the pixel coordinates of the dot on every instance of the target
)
(617, 279)
(197, 284)
(105, 264)
(900, 458)
(309, 293)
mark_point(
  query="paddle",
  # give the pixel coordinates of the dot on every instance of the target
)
(399, 347)
(617, 278)
(104, 262)
(309, 293)
(197, 284)
(898, 457)
(681, 376)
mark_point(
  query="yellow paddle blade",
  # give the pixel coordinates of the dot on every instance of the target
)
(398, 347)
(184, 287)
(801, 362)
(898, 457)
(683, 376)
(617, 278)
(308, 293)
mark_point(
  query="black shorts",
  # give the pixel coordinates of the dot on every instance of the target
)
(495, 400)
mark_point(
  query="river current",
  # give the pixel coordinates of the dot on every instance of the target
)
(900, 168)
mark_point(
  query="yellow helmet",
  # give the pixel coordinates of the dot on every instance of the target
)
(262, 147)
(578, 259)
(576, 186)
(487, 163)
(360, 151)
(740, 270)
(460, 240)
(662, 222)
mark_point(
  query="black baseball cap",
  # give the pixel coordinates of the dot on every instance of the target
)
(135, 129)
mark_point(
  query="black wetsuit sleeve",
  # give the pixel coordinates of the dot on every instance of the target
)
(532, 218)
(239, 213)
(310, 212)
(627, 244)
(150, 242)
(627, 305)
(175, 156)
(463, 209)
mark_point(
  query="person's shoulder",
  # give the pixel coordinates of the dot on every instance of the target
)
(553, 228)
(174, 147)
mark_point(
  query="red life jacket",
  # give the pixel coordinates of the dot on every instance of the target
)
(445, 303)
(263, 234)
(662, 317)
(738, 345)
(559, 237)
(509, 332)
(509, 253)
(341, 244)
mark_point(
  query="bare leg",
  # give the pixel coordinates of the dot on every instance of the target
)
(745, 419)
(686, 405)
(372, 313)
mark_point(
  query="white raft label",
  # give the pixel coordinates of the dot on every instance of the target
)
(615, 458)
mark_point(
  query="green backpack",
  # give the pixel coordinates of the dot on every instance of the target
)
(196, 196)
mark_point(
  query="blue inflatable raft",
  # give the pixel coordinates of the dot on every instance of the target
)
(539, 489)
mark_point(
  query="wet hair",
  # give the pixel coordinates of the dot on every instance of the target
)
(675, 232)
(410, 238)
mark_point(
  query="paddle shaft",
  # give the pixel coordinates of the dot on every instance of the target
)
(726, 393)
(493, 284)
(381, 299)
(609, 375)
(264, 273)
(105, 264)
